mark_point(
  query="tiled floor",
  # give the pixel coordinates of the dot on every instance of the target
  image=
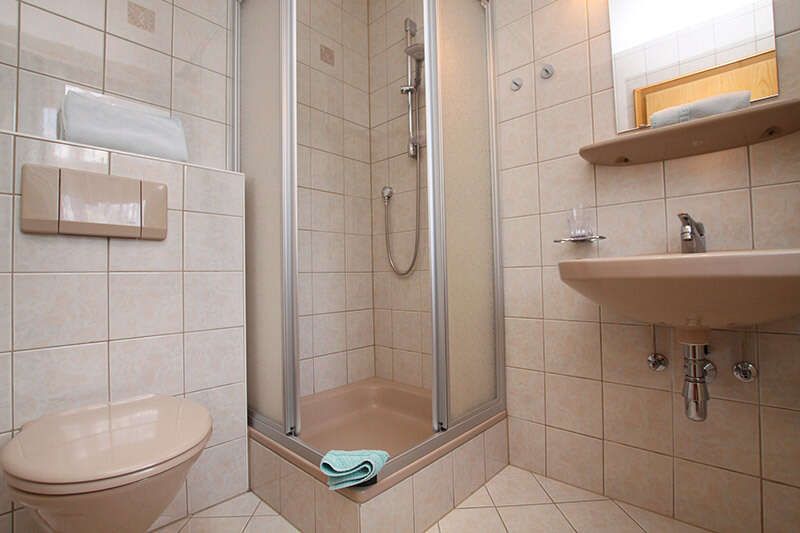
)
(514, 500)
(517, 501)
(245, 513)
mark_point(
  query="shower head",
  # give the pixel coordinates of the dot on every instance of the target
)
(416, 51)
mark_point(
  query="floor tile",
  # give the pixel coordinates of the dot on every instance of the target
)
(234, 524)
(243, 505)
(265, 510)
(481, 520)
(173, 527)
(534, 519)
(655, 523)
(564, 493)
(598, 517)
(514, 486)
(479, 498)
(269, 524)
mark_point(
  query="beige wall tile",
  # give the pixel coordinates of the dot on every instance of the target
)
(568, 127)
(788, 73)
(727, 438)
(81, 48)
(334, 512)
(717, 171)
(219, 474)
(213, 300)
(198, 91)
(360, 364)
(508, 11)
(199, 41)
(297, 497)
(738, 511)
(774, 225)
(526, 444)
(212, 191)
(575, 459)
(519, 191)
(632, 229)
(559, 25)
(152, 365)
(779, 370)
(469, 469)
(5, 399)
(228, 408)
(496, 448)
(574, 404)
(58, 379)
(213, 242)
(780, 430)
(524, 343)
(433, 492)
(330, 371)
(56, 154)
(513, 45)
(510, 103)
(144, 304)
(775, 161)
(638, 417)
(635, 183)
(525, 392)
(781, 507)
(517, 142)
(521, 242)
(600, 60)
(598, 17)
(523, 292)
(571, 80)
(213, 358)
(152, 170)
(625, 352)
(604, 123)
(562, 302)
(57, 253)
(5, 312)
(130, 255)
(572, 348)
(390, 511)
(78, 310)
(161, 36)
(137, 72)
(726, 216)
(566, 183)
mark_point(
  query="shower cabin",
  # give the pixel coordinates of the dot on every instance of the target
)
(375, 299)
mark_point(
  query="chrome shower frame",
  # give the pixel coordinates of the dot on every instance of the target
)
(288, 432)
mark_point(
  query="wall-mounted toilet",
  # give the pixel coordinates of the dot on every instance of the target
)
(105, 468)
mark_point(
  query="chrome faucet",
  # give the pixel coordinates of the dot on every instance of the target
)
(693, 235)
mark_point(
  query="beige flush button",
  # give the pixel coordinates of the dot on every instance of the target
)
(62, 200)
(95, 204)
(40, 191)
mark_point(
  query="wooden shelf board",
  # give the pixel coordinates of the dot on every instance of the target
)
(757, 123)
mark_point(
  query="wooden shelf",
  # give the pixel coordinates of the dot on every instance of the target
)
(757, 123)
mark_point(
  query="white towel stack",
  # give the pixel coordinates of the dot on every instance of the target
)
(102, 120)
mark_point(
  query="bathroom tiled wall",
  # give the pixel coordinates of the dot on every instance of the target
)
(584, 407)
(86, 320)
(335, 321)
(414, 504)
(402, 304)
(175, 56)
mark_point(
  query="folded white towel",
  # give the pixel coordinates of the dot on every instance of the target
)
(102, 120)
(714, 105)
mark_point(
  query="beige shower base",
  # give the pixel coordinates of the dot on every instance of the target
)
(375, 414)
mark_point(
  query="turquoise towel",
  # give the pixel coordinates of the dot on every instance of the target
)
(348, 468)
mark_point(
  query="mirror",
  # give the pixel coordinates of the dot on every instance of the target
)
(667, 53)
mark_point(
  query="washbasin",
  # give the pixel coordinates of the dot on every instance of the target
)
(693, 291)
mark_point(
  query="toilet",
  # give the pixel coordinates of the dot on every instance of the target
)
(105, 468)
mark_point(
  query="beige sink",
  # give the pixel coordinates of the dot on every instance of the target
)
(693, 292)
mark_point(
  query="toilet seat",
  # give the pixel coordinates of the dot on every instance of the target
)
(105, 446)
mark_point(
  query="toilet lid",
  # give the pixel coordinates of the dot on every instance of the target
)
(104, 441)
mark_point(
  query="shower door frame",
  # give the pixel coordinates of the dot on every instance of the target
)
(287, 433)
(437, 227)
